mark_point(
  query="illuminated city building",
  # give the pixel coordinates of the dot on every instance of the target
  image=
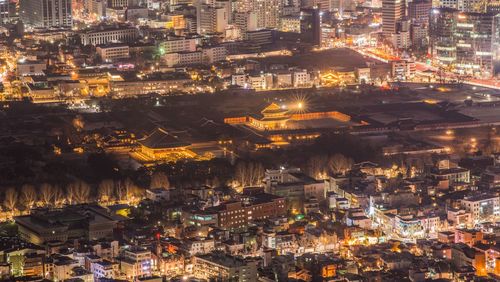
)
(402, 69)
(42, 227)
(310, 26)
(118, 3)
(474, 43)
(177, 44)
(225, 267)
(135, 262)
(5, 11)
(267, 12)
(132, 86)
(463, 41)
(459, 218)
(290, 23)
(96, 9)
(483, 207)
(104, 269)
(46, 13)
(103, 34)
(295, 186)
(410, 227)
(442, 44)
(113, 52)
(336, 78)
(392, 12)
(418, 11)
(211, 19)
(238, 213)
(469, 237)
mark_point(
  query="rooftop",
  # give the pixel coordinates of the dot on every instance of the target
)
(223, 259)
(160, 139)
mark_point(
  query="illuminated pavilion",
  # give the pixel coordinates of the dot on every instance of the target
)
(273, 117)
(162, 146)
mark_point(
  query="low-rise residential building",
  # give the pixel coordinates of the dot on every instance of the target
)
(113, 52)
(225, 267)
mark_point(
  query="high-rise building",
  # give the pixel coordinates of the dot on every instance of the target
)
(95, 8)
(479, 6)
(401, 39)
(474, 42)
(268, 11)
(323, 5)
(493, 7)
(46, 13)
(4, 11)
(418, 11)
(442, 45)
(310, 26)
(393, 11)
(118, 3)
(211, 19)
(246, 21)
(463, 41)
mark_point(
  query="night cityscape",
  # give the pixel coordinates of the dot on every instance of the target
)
(249, 140)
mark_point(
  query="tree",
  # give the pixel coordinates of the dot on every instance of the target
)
(338, 163)
(214, 182)
(78, 192)
(491, 145)
(11, 199)
(241, 173)
(159, 180)
(317, 166)
(46, 194)
(249, 174)
(105, 190)
(257, 173)
(129, 191)
(83, 193)
(119, 191)
(28, 196)
(58, 198)
(70, 193)
(78, 123)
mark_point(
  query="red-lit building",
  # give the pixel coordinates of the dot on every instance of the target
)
(237, 214)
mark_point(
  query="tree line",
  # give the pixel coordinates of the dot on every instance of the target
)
(17, 200)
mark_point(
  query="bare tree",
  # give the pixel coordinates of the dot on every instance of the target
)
(11, 199)
(78, 192)
(119, 191)
(249, 174)
(317, 166)
(46, 194)
(70, 193)
(338, 163)
(129, 191)
(28, 196)
(159, 180)
(241, 173)
(214, 182)
(105, 190)
(78, 123)
(59, 197)
(491, 144)
(256, 173)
